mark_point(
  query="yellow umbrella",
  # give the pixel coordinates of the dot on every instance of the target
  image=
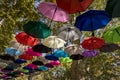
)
(53, 42)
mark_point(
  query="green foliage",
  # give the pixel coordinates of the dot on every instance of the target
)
(13, 14)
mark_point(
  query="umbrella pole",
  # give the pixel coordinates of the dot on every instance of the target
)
(53, 16)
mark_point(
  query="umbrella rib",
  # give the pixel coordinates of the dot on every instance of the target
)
(117, 32)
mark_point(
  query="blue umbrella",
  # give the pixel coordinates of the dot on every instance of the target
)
(92, 20)
(51, 57)
(20, 61)
(13, 52)
(43, 68)
(60, 53)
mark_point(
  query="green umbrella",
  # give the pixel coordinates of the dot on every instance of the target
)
(65, 60)
(113, 8)
(37, 29)
(112, 35)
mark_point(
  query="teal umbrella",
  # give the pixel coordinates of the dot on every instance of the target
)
(37, 29)
(113, 8)
(112, 35)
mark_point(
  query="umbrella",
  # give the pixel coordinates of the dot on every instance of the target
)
(43, 68)
(73, 6)
(65, 60)
(41, 48)
(13, 52)
(27, 68)
(7, 57)
(69, 32)
(55, 63)
(37, 29)
(76, 57)
(112, 8)
(112, 35)
(92, 20)
(26, 39)
(19, 61)
(53, 12)
(33, 53)
(49, 65)
(73, 49)
(93, 43)
(60, 53)
(26, 57)
(38, 62)
(33, 66)
(109, 47)
(51, 57)
(53, 42)
(18, 46)
(90, 53)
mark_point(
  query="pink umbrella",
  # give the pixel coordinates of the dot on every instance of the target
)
(33, 53)
(55, 63)
(53, 12)
(32, 66)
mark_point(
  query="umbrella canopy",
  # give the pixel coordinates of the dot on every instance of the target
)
(53, 42)
(92, 20)
(55, 63)
(38, 62)
(90, 53)
(53, 12)
(37, 29)
(112, 35)
(18, 46)
(69, 32)
(49, 65)
(32, 66)
(43, 68)
(73, 6)
(112, 8)
(65, 60)
(109, 47)
(13, 52)
(51, 57)
(60, 53)
(26, 57)
(93, 43)
(33, 53)
(7, 57)
(41, 48)
(19, 61)
(73, 49)
(26, 39)
(76, 57)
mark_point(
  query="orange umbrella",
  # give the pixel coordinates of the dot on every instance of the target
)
(93, 43)
(26, 39)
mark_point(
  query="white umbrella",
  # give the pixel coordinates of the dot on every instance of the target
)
(73, 49)
(53, 42)
(69, 32)
(18, 46)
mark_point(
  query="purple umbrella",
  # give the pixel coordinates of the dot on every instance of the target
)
(90, 53)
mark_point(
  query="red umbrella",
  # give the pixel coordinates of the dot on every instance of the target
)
(26, 57)
(93, 43)
(26, 39)
(73, 6)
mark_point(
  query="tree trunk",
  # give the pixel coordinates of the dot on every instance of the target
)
(75, 73)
